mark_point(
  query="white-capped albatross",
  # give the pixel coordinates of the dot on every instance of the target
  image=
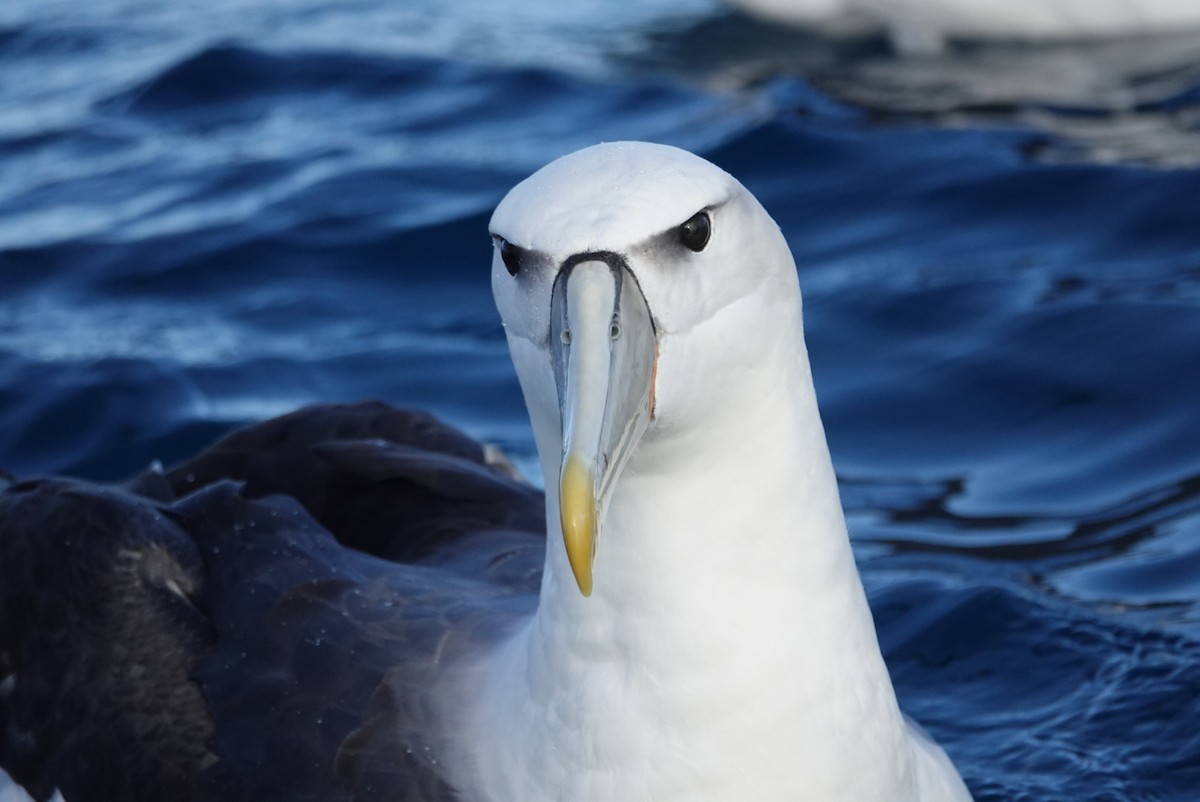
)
(693, 629)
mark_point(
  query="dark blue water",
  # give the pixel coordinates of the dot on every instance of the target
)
(211, 213)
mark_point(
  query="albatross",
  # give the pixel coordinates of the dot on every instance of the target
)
(355, 602)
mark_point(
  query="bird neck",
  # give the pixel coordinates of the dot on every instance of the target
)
(711, 527)
(728, 636)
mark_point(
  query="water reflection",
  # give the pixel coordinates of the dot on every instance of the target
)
(1134, 99)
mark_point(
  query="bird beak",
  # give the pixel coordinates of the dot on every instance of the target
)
(605, 351)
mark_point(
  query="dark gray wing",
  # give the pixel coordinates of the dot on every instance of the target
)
(397, 484)
(97, 641)
(326, 658)
(317, 661)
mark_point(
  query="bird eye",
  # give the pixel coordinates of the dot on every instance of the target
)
(694, 234)
(511, 255)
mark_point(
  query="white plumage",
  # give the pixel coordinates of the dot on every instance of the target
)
(727, 650)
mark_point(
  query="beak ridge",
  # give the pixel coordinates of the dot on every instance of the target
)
(605, 350)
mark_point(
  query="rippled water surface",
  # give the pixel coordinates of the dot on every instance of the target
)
(214, 212)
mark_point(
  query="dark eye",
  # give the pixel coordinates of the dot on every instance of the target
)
(511, 256)
(695, 232)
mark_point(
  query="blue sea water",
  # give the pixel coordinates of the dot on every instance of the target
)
(215, 212)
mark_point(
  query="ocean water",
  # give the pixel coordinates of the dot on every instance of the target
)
(215, 212)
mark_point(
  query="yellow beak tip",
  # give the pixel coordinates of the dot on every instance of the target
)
(585, 584)
(577, 511)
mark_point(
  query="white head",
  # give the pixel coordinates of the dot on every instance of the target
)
(637, 284)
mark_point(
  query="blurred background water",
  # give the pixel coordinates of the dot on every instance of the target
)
(212, 212)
